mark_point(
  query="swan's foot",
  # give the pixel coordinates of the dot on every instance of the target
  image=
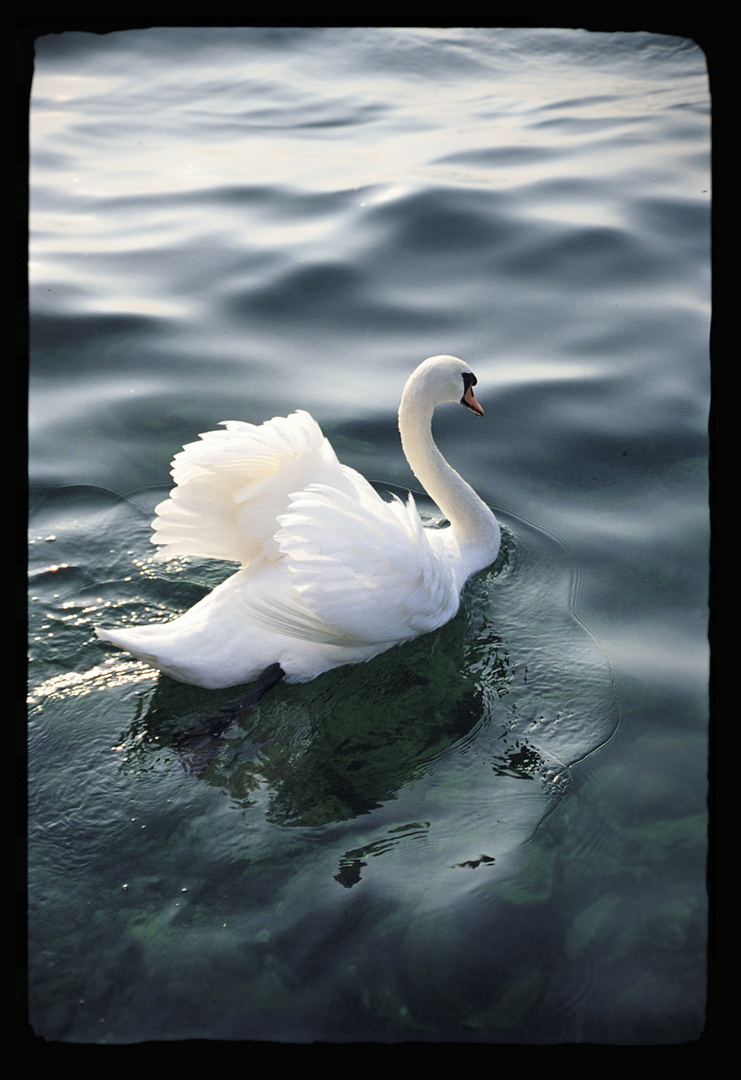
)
(197, 745)
(265, 681)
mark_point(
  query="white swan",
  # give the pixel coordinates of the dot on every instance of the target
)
(330, 573)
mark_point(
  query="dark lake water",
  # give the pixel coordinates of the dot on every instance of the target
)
(498, 832)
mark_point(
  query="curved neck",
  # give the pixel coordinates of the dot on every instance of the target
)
(471, 520)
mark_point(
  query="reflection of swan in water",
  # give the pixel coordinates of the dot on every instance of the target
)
(330, 573)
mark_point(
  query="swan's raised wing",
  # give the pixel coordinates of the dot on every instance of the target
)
(363, 566)
(232, 484)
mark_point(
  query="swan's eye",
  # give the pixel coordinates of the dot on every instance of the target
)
(469, 379)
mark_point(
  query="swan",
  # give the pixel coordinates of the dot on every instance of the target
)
(330, 573)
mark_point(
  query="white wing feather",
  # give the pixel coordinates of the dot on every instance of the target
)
(231, 486)
(364, 566)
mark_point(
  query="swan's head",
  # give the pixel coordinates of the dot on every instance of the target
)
(445, 378)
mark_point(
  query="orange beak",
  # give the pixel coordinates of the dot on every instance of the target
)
(469, 400)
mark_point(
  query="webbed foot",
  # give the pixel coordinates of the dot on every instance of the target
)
(197, 745)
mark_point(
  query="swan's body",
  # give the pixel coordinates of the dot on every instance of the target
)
(330, 573)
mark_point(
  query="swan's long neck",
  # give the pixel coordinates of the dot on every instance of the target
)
(474, 526)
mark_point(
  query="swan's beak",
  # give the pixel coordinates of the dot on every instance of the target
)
(469, 400)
